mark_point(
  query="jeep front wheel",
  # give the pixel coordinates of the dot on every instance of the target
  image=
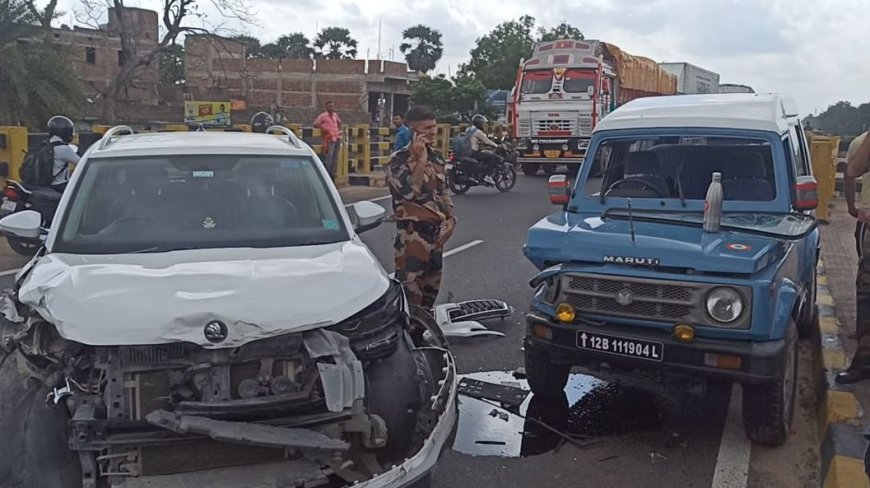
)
(545, 378)
(768, 409)
(809, 316)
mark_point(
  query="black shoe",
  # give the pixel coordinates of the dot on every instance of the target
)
(849, 376)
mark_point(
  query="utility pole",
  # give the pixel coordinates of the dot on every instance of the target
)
(379, 38)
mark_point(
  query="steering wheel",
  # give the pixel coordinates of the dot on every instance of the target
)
(643, 184)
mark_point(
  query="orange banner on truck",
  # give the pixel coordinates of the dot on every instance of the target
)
(641, 74)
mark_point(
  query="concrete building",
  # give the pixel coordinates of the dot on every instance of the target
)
(217, 68)
(96, 54)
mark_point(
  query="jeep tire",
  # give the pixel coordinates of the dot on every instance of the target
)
(545, 378)
(768, 409)
(809, 317)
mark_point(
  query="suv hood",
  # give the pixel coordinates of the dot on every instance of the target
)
(138, 299)
(662, 244)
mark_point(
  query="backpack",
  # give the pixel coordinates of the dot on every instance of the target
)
(38, 166)
(461, 144)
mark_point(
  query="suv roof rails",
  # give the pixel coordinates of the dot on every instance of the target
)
(116, 130)
(290, 134)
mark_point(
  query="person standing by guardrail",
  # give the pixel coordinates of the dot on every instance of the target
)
(858, 160)
(329, 124)
(403, 133)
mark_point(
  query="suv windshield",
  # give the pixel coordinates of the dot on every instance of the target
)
(682, 167)
(164, 203)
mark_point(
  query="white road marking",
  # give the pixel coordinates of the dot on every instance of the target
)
(732, 464)
(455, 250)
(9, 272)
(371, 200)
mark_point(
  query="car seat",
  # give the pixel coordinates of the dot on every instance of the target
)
(643, 168)
(744, 177)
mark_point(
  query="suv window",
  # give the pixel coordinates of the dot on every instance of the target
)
(154, 204)
(671, 167)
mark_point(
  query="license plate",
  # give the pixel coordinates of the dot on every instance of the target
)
(621, 346)
(8, 205)
(552, 153)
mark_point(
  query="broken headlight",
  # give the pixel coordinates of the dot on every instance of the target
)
(375, 331)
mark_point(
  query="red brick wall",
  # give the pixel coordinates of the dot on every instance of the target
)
(394, 69)
(341, 66)
(346, 87)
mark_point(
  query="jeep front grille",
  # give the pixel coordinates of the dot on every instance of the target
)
(632, 297)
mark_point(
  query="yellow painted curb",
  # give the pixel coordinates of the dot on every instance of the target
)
(846, 472)
(834, 359)
(828, 325)
(825, 299)
(841, 406)
(822, 280)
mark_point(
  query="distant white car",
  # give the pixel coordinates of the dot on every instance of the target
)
(203, 312)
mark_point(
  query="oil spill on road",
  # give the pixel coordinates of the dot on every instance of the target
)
(588, 407)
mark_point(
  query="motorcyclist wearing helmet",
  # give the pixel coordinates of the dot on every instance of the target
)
(62, 132)
(261, 121)
(481, 147)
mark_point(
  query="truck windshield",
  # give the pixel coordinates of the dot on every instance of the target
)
(578, 81)
(164, 203)
(537, 81)
(682, 168)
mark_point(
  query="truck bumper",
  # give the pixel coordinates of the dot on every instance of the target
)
(760, 362)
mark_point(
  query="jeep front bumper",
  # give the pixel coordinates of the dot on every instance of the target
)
(760, 362)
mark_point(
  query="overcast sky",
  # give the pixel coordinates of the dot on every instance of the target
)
(817, 50)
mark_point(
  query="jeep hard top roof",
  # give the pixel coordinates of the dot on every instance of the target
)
(767, 112)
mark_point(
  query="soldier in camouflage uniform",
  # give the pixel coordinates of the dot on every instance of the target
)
(423, 210)
(859, 159)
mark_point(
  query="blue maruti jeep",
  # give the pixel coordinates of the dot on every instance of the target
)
(645, 269)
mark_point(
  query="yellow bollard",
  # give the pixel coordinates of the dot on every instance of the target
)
(13, 146)
(360, 140)
(823, 154)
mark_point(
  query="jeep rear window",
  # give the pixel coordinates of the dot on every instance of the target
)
(164, 203)
(674, 166)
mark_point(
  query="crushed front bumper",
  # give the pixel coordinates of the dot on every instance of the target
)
(760, 362)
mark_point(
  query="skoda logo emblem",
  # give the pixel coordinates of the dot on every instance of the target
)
(215, 332)
(624, 297)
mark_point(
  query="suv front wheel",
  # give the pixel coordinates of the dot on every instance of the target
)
(768, 409)
(545, 378)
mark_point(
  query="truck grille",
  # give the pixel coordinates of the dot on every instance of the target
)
(633, 298)
(585, 126)
(546, 125)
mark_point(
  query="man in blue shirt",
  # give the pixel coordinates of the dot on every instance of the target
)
(403, 133)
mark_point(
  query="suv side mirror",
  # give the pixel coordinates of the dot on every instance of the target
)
(25, 224)
(367, 215)
(806, 193)
(560, 190)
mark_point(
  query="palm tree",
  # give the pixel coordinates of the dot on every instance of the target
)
(36, 78)
(293, 46)
(428, 49)
(335, 43)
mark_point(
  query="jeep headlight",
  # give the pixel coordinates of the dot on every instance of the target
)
(724, 305)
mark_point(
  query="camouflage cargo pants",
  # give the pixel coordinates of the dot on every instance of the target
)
(862, 296)
(418, 261)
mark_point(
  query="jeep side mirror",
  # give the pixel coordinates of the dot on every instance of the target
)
(367, 215)
(25, 224)
(806, 194)
(560, 193)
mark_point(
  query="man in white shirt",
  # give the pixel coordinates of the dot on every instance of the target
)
(481, 148)
(61, 131)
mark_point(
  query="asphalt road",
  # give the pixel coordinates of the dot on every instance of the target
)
(628, 434)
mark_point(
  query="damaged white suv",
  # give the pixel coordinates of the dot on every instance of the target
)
(204, 313)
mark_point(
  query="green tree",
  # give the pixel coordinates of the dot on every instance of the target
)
(293, 46)
(561, 31)
(171, 64)
(426, 50)
(335, 43)
(842, 119)
(453, 100)
(496, 56)
(36, 79)
(252, 45)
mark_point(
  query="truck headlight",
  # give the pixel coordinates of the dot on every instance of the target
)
(724, 304)
(536, 148)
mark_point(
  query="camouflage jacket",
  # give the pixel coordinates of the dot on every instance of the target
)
(427, 202)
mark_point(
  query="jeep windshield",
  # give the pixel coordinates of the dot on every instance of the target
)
(790, 226)
(165, 203)
(675, 167)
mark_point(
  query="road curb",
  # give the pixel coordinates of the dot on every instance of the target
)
(838, 411)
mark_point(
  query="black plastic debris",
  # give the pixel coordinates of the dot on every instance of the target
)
(504, 394)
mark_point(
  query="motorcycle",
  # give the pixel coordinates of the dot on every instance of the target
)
(507, 149)
(16, 198)
(463, 172)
